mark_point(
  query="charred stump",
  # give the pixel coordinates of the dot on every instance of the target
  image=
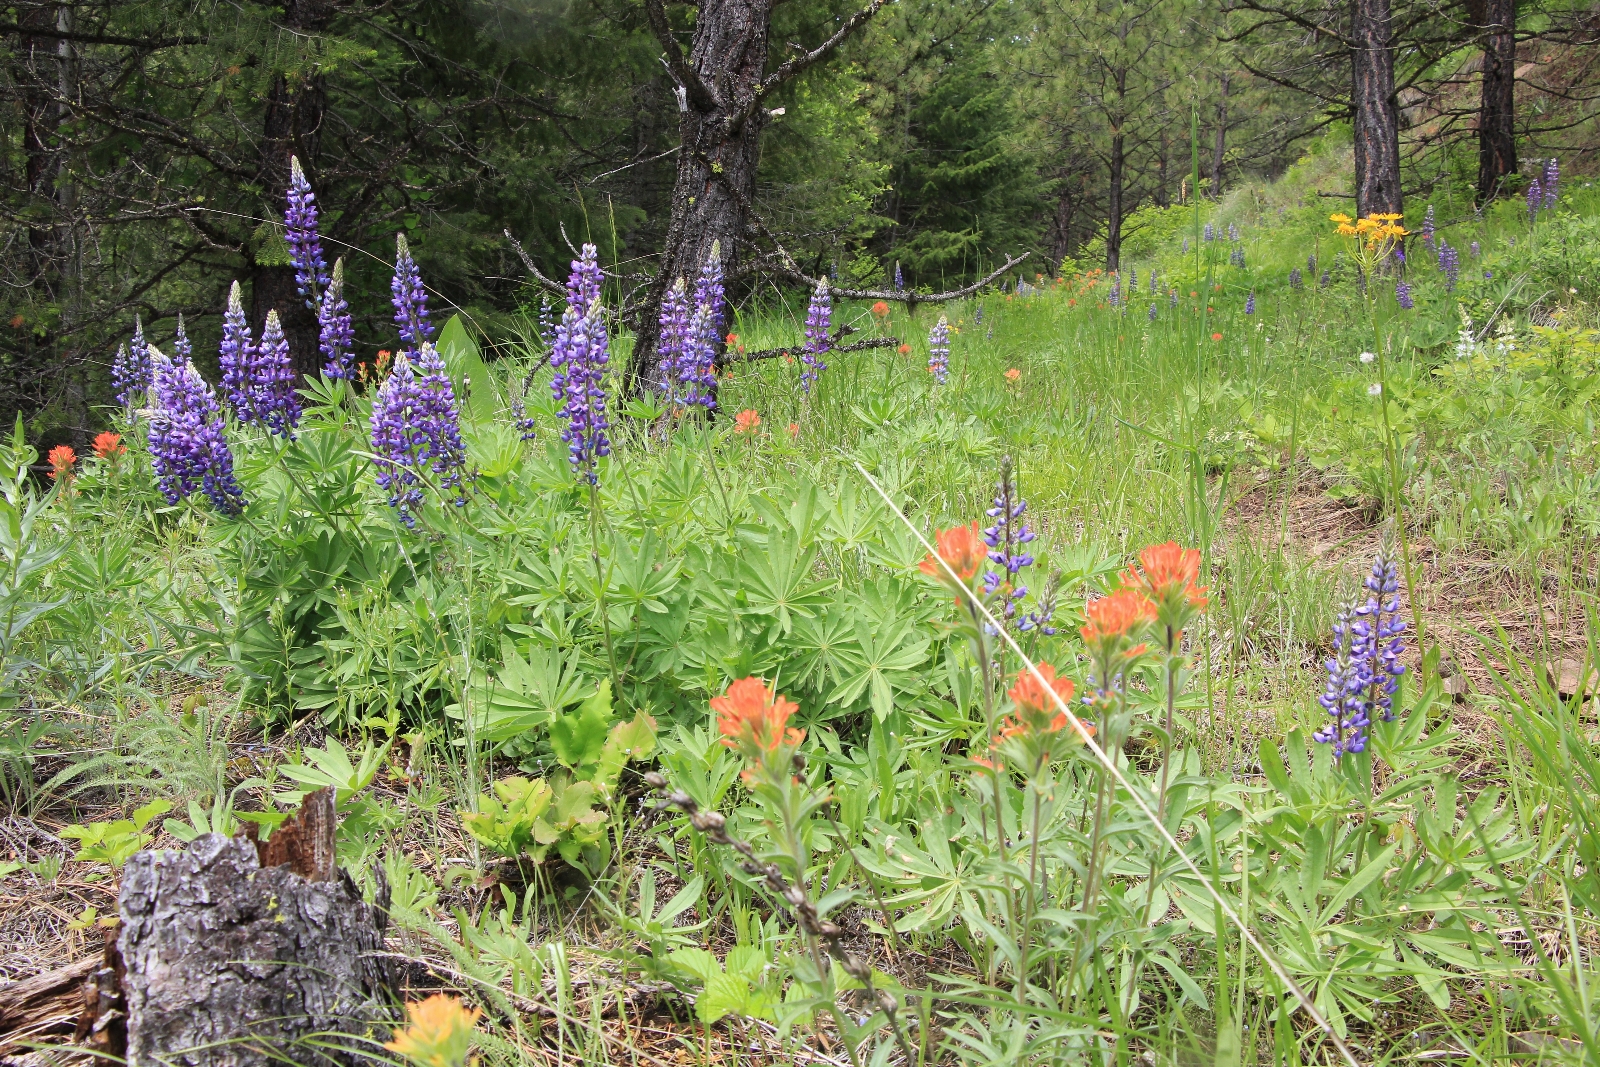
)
(239, 953)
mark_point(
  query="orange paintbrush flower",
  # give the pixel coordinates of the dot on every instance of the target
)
(1168, 571)
(108, 445)
(961, 547)
(754, 719)
(61, 458)
(1029, 694)
(746, 422)
(1117, 616)
(440, 1032)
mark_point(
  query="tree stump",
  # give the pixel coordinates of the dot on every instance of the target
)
(240, 953)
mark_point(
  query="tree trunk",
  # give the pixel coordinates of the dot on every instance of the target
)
(291, 126)
(1497, 141)
(1163, 166)
(246, 954)
(1377, 116)
(716, 183)
(1221, 143)
(1116, 165)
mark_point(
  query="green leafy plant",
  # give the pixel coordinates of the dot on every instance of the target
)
(524, 817)
(116, 841)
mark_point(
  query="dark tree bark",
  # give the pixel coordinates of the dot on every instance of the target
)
(232, 961)
(1116, 167)
(291, 126)
(721, 86)
(1497, 141)
(1221, 143)
(1377, 116)
(1163, 167)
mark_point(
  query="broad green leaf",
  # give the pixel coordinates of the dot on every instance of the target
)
(578, 738)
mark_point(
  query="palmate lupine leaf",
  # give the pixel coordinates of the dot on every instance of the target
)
(776, 580)
(880, 663)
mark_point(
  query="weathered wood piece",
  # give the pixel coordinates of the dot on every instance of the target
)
(37, 1007)
(241, 953)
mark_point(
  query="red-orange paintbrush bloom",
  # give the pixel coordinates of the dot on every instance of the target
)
(61, 458)
(1028, 694)
(1115, 617)
(754, 720)
(1036, 710)
(108, 445)
(1169, 571)
(962, 547)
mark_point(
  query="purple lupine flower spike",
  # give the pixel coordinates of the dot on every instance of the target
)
(1402, 294)
(1006, 538)
(1133, 278)
(1364, 675)
(547, 322)
(180, 341)
(674, 368)
(527, 425)
(416, 424)
(819, 319)
(335, 335)
(1210, 233)
(1115, 296)
(187, 446)
(1477, 250)
(1296, 279)
(1250, 304)
(939, 350)
(977, 318)
(1311, 263)
(236, 356)
(1152, 313)
(580, 356)
(1450, 263)
(1552, 178)
(899, 279)
(273, 399)
(1343, 696)
(705, 333)
(305, 244)
(410, 299)
(1535, 199)
(131, 372)
(1376, 627)
(1428, 226)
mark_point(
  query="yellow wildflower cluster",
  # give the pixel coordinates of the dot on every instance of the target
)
(1375, 236)
(1379, 228)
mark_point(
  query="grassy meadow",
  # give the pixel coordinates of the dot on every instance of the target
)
(513, 698)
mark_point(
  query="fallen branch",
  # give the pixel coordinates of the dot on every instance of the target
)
(908, 297)
(842, 332)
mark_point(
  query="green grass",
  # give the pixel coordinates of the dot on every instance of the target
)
(1377, 884)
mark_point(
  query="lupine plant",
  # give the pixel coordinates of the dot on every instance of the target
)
(819, 318)
(236, 356)
(132, 371)
(1007, 537)
(580, 356)
(675, 368)
(416, 430)
(335, 333)
(409, 297)
(939, 351)
(187, 444)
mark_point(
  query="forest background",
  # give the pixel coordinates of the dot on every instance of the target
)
(146, 145)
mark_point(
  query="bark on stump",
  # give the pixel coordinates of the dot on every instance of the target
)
(232, 961)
